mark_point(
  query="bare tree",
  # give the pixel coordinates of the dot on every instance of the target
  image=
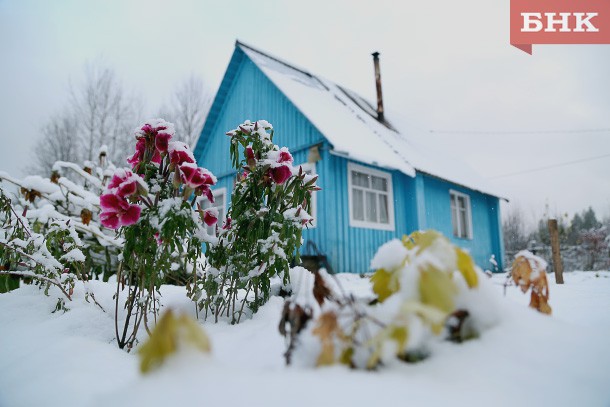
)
(59, 143)
(189, 107)
(106, 114)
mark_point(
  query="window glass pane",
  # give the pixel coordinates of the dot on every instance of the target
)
(461, 202)
(359, 179)
(383, 209)
(378, 183)
(463, 222)
(358, 204)
(371, 206)
(454, 219)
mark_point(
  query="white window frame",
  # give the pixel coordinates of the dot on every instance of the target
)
(216, 193)
(460, 228)
(351, 167)
(313, 211)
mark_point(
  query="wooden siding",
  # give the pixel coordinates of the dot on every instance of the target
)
(485, 219)
(251, 96)
(351, 249)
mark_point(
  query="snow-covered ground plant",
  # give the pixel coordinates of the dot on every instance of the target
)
(529, 271)
(71, 194)
(261, 235)
(426, 289)
(52, 259)
(156, 208)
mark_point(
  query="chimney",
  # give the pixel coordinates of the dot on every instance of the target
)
(378, 84)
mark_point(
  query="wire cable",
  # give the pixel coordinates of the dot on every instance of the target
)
(582, 160)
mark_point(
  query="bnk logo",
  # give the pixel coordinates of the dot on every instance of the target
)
(559, 22)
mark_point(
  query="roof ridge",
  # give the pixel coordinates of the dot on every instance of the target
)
(276, 59)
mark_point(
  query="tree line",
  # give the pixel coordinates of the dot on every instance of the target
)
(585, 238)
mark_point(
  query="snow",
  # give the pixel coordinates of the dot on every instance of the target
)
(528, 359)
(349, 123)
(389, 256)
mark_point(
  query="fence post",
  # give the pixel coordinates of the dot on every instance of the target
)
(557, 265)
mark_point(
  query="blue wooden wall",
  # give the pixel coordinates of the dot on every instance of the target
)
(419, 203)
(485, 218)
(351, 248)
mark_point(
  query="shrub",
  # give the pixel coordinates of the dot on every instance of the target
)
(261, 235)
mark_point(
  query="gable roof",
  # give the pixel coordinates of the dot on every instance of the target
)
(349, 123)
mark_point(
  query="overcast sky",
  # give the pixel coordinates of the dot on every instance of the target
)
(446, 66)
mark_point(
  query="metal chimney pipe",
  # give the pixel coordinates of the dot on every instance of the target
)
(378, 84)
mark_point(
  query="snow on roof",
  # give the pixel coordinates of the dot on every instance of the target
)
(349, 122)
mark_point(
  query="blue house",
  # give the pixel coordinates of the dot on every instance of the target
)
(378, 180)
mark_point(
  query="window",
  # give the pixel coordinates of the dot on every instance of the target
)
(310, 168)
(371, 199)
(461, 218)
(220, 203)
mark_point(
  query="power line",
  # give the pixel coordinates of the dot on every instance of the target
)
(501, 132)
(582, 160)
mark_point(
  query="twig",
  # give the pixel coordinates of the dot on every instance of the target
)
(38, 277)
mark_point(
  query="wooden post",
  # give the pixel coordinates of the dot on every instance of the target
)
(557, 265)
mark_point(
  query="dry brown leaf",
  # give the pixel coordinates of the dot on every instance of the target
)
(525, 278)
(327, 328)
(320, 289)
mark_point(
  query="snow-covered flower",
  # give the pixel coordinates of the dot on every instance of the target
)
(193, 176)
(280, 174)
(125, 183)
(116, 211)
(162, 142)
(250, 158)
(179, 153)
(284, 156)
(210, 216)
(140, 152)
(226, 225)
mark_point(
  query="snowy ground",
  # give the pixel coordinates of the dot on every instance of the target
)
(527, 360)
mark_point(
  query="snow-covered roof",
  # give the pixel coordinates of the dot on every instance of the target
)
(349, 122)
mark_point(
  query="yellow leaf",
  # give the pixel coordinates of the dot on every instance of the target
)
(346, 356)
(167, 336)
(385, 283)
(429, 314)
(437, 289)
(400, 335)
(466, 267)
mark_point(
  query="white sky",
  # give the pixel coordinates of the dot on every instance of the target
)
(446, 66)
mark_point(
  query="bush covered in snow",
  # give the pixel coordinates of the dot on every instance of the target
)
(426, 289)
(156, 208)
(52, 259)
(261, 235)
(71, 195)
